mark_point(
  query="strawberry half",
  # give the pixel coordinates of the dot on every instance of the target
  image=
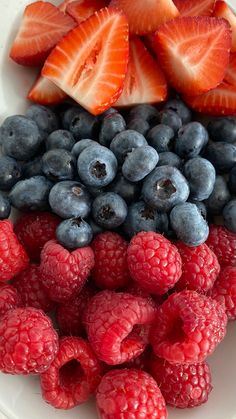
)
(223, 10)
(145, 16)
(194, 52)
(230, 76)
(195, 7)
(145, 81)
(82, 9)
(90, 63)
(42, 26)
(62, 7)
(45, 92)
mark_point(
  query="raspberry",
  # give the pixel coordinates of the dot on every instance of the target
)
(224, 290)
(9, 298)
(13, 258)
(73, 375)
(188, 327)
(129, 393)
(63, 272)
(223, 243)
(182, 385)
(110, 270)
(34, 229)
(28, 342)
(200, 268)
(114, 323)
(154, 262)
(29, 286)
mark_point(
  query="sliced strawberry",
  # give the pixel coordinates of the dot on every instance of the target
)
(218, 101)
(42, 26)
(223, 10)
(90, 63)
(82, 9)
(144, 82)
(45, 92)
(194, 52)
(195, 7)
(95, 3)
(230, 76)
(62, 6)
(145, 16)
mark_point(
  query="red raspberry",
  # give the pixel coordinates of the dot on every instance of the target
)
(200, 268)
(28, 342)
(34, 229)
(64, 273)
(154, 262)
(188, 327)
(114, 325)
(73, 375)
(110, 270)
(13, 258)
(129, 393)
(9, 298)
(223, 243)
(182, 385)
(224, 290)
(29, 286)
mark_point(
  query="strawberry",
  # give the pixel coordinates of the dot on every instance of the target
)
(62, 6)
(90, 63)
(144, 82)
(230, 76)
(82, 9)
(223, 10)
(195, 7)
(45, 92)
(194, 52)
(42, 26)
(218, 101)
(145, 16)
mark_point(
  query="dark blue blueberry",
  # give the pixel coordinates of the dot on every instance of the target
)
(80, 146)
(95, 228)
(164, 188)
(219, 197)
(167, 158)
(222, 155)
(229, 215)
(201, 207)
(20, 137)
(97, 166)
(94, 192)
(83, 125)
(46, 120)
(223, 129)
(70, 199)
(170, 118)
(69, 114)
(201, 176)
(232, 180)
(33, 168)
(60, 138)
(109, 111)
(129, 191)
(125, 142)
(5, 207)
(59, 164)
(74, 233)
(188, 224)
(10, 172)
(111, 125)
(109, 210)
(139, 125)
(31, 194)
(139, 163)
(160, 137)
(145, 112)
(190, 140)
(180, 108)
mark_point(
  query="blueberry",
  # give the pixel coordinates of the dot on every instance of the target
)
(112, 124)
(20, 137)
(94, 192)
(5, 207)
(222, 155)
(45, 119)
(125, 142)
(145, 112)
(167, 158)
(223, 129)
(69, 114)
(229, 215)
(139, 163)
(74, 233)
(170, 118)
(59, 164)
(97, 166)
(219, 196)
(127, 190)
(160, 137)
(109, 111)
(180, 108)
(70, 199)
(10, 172)
(139, 125)
(190, 140)
(83, 125)
(109, 210)
(60, 138)
(232, 180)
(188, 224)
(164, 188)
(31, 194)
(80, 146)
(95, 228)
(201, 176)
(201, 207)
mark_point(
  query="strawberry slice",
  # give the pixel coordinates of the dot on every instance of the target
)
(62, 6)
(145, 16)
(93, 3)
(194, 52)
(195, 7)
(223, 10)
(82, 9)
(230, 76)
(42, 26)
(45, 92)
(144, 82)
(218, 101)
(90, 63)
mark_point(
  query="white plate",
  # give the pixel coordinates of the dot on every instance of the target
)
(20, 396)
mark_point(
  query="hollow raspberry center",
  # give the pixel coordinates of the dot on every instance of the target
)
(71, 373)
(176, 332)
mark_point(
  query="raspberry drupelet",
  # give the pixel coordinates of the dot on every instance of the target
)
(9, 298)
(224, 290)
(223, 243)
